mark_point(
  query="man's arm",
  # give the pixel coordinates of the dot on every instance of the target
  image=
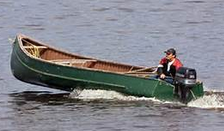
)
(160, 68)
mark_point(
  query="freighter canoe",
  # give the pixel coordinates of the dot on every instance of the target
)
(37, 63)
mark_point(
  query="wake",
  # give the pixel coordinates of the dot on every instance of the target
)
(211, 99)
(107, 95)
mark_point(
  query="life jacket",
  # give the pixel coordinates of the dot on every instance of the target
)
(169, 68)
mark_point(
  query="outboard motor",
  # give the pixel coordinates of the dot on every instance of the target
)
(184, 80)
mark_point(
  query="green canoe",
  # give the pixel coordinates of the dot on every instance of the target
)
(37, 63)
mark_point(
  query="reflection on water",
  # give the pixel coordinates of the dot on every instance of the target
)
(90, 96)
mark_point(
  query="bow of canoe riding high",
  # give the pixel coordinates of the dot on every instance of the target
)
(37, 63)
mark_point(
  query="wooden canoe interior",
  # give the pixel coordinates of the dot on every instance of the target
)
(53, 55)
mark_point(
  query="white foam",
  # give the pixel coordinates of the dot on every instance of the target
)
(208, 101)
(103, 94)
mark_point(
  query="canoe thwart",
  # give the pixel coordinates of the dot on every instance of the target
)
(149, 69)
(38, 47)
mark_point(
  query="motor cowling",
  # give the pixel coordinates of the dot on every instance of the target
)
(186, 76)
(184, 80)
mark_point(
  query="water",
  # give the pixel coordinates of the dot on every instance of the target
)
(128, 31)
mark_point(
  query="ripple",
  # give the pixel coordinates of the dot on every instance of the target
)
(129, 10)
(84, 25)
(141, 126)
(64, 16)
(197, 22)
(157, 32)
(194, 1)
(120, 1)
(31, 27)
(157, 10)
(122, 31)
(111, 19)
(5, 3)
(101, 9)
(59, 17)
(149, 115)
(35, 18)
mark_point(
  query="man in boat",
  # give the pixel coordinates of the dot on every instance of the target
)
(168, 66)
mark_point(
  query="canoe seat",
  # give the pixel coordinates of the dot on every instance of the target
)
(35, 50)
(71, 62)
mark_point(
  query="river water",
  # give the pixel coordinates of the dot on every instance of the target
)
(128, 31)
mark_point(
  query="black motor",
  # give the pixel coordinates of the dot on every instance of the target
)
(184, 80)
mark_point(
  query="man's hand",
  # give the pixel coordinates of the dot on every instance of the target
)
(162, 76)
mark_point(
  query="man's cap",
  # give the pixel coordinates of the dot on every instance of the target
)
(171, 50)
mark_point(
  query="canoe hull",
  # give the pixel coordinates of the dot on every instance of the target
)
(35, 71)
